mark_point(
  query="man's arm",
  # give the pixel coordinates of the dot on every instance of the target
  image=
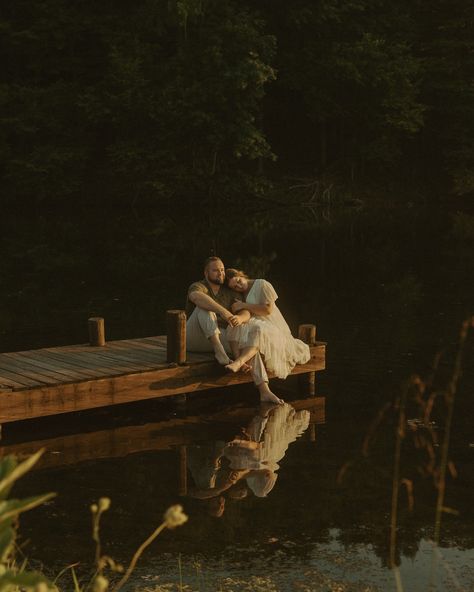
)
(205, 302)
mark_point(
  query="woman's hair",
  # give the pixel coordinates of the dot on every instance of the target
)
(231, 273)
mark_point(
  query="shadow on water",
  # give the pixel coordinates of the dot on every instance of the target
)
(388, 291)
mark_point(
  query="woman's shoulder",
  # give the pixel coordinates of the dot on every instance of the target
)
(265, 288)
(262, 282)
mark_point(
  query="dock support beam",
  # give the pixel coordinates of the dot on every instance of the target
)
(307, 333)
(96, 331)
(176, 336)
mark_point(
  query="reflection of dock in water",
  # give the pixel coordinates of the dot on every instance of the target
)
(56, 380)
(171, 434)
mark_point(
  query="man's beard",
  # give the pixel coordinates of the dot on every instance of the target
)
(215, 282)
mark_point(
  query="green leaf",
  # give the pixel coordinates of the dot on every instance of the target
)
(12, 508)
(14, 472)
(7, 465)
(7, 536)
(10, 580)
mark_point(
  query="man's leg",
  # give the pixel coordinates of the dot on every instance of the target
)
(203, 335)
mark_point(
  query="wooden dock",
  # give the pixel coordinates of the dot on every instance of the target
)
(65, 379)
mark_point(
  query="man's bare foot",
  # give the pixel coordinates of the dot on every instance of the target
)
(234, 366)
(222, 358)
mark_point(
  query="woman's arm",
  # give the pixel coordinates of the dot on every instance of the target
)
(260, 310)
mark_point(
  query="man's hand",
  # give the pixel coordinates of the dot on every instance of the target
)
(232, 319)
(238, 320)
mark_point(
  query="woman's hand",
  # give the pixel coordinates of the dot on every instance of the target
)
(237, 306)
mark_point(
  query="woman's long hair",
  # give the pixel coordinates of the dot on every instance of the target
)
(232, 272)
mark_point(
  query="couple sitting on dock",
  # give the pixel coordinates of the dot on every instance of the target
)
(233, 315)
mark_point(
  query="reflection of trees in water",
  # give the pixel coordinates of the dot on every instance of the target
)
(247, 463)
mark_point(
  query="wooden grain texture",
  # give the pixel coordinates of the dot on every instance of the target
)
(176, 336)
(64, 379)
(96, 331)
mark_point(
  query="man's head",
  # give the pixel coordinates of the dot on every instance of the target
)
(214, 271)
(216, 506)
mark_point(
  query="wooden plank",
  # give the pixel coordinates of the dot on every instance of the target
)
(82, 366)
(137, 344)
(8, 384)
(141, 354)
(38, 402)
(99, 360)
(159, 340)
(44, 367)
(24, 372)
(137, 353)
(49, 361)
(199, 357)
(113, 360)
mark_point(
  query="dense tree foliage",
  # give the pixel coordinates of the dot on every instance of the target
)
(181, 102)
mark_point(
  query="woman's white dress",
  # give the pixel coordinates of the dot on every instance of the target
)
(270, 334)
(274, 433)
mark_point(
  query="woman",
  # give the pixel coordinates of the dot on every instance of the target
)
(266, 331)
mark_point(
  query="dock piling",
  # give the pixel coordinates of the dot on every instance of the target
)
(307, 333)
(176, 336)
(96, 331)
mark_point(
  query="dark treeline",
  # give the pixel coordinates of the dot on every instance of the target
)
(129, 131)
(188, 103)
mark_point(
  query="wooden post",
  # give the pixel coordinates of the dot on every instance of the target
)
(176, 336)
(96, 331)
(183, 471)
(307, 333)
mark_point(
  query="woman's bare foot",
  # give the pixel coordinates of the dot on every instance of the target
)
(234, 366)
(248, 444)
(245, 368)
(266, 395)
(271, 398)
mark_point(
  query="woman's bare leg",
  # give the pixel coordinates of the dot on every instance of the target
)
(245, 355)
(266, 395)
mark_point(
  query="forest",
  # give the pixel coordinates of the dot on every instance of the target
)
(196, 103)
(136, 138)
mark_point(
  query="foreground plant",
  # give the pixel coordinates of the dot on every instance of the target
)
(172, 518)
(14, 577)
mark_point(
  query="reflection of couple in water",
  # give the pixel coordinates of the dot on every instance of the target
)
(233, 315)
(249, 461)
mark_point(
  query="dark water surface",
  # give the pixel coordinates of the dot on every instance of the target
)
(388, 291)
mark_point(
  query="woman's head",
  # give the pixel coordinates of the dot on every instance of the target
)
(236, 280)
(261, 482)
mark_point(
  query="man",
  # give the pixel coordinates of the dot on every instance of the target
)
(208, 310)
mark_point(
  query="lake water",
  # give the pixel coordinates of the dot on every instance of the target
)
(388, 291)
